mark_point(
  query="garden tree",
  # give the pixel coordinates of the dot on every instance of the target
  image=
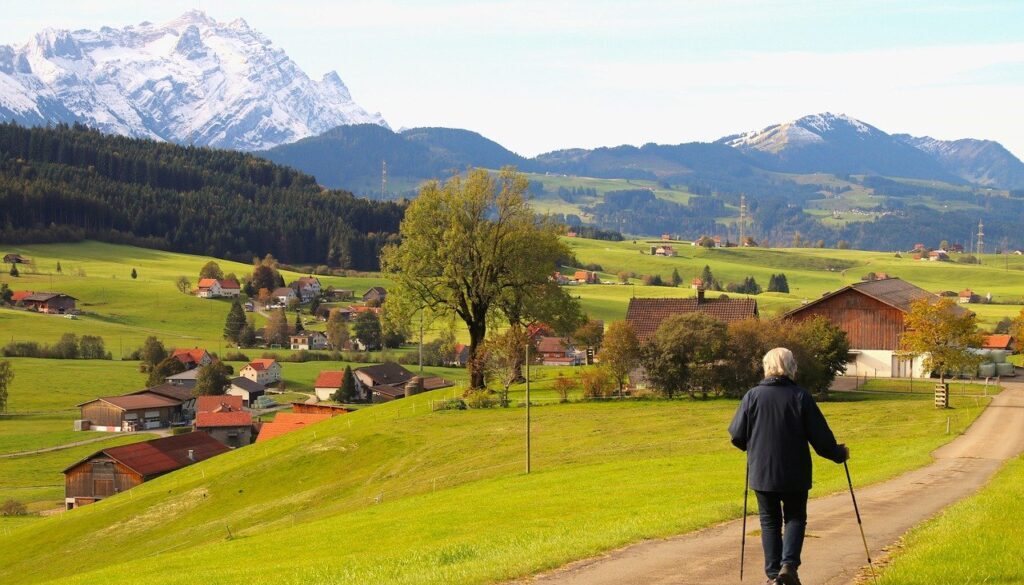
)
(620, 352)
(183, 284)
(213, 380)
(466, 244)
(337, 331)
(596, 382)
(6, 294)
(59, 269)
(298, 322)
(153, 351)
(6, 375)
(276, 332)
(748, 341)
(66, 347)
(447, 343)
(235, 322)
(134, 274)
(826, 350)
(943, 333)
(396, 318)
(168, 366)
(263, 277)
(211, 270)
(676, 279)
(367, 330)
(502, 357)
(346, 393)
(563, 385)
(294, 304)
(247, 336)
(684, 354)
(1015, 326)
(91, 347)
(590, 334)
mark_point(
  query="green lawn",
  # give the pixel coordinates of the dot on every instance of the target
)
(975, 541)
(928, 386)
(410, 496)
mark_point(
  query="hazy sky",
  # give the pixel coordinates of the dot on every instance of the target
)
(537, 75)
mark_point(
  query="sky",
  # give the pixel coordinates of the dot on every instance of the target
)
(540, 75)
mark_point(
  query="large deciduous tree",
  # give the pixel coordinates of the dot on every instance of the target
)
(213, 380)
(686, 353)
(468, 246)
(943, 333)
(620, 351)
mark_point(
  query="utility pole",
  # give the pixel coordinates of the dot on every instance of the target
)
(527, 406)
(743, 217)
(981, 238)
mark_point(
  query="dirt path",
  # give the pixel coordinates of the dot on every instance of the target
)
(833, 553)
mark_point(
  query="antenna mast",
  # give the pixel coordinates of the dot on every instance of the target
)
(743, 218)
(981, 237)
(384, 179)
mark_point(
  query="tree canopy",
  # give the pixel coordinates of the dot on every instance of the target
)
(943, 334)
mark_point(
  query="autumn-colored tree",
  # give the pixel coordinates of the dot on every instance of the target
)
(337, 331)
(620, 352)
(563, 386)
(277, 328)
(502, 356)
(590, 334)
(943, 334)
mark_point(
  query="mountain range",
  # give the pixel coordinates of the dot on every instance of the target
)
(192, 80)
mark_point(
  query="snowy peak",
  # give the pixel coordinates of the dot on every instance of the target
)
(190, 80)
(983, 162)
(809, 130)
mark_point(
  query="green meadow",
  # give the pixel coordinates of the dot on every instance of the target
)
(399, 494)
(974, 541)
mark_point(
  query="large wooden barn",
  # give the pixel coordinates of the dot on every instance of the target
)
(873, 315)
(114, 470)
(132, 412)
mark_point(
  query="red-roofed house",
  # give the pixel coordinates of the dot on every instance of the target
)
(586, 277)
(196, 357)
(224, 403)
(646, 315)
(968, 296)
(262, 371)
(1007, 342)
(697, 284)
(211, 288)
(116, 469)
(461, 357)
(20, 295)
(327, 383)
(231, 427)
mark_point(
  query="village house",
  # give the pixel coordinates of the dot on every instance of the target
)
(663, 251)
(132, 412)
(555, 351)
(570, 234)
(53, 303)
(1004, 342)
(212, 288)
(186, 379)
(460, 356)
(586, 277)
(15, 259)
(387, 381)
(196, 357)
(263, 371)
(376, 295)
(246, 389)
(968, 296)
(309, 340)
(307, 287)
(937, 256)
(175, 392)
(116, 469)
(327, 383)
(283, 295)
(222, 418)
(697, 284)
(873, 315)
(339, 294)
(646, 315)
(288, 422)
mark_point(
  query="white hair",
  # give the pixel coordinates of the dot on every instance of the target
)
(779, 362)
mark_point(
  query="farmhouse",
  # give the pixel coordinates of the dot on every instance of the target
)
(193, 358)
(49, 302)
(309, 340)
(873, 316)
(376, 295)
(287, 422)
(114, 470)
(262, 371)
(586, 277)
(307, 287)
(663, 250)
(246, 389)
(222, 418)
(646, 315)
(131, 412)
(555, 351)
(175, 392)
(212, 288)
(283, 295)
(327, 383)
(385, 382)
(697, 284)
(1004, 342)
(460, 357)
(186, 379)
(968, 296)
(339, 294)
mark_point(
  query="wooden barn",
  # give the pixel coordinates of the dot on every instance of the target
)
(872, 314)
(50, 302)
(114, 470)
(132, 412)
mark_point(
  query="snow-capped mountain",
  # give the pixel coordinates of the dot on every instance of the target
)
(192, 80)
(835, 143)
(983, 162)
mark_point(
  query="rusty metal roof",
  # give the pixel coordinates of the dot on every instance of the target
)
(159, 456)
(139, 401)
(895, 292)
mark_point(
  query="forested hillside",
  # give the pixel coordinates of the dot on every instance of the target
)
(70, 183)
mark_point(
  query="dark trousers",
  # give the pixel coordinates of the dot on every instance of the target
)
(782, 547)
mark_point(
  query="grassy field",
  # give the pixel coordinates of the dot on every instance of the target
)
(399, 494)
(975, 541)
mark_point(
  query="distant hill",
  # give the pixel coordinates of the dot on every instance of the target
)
(982, 162)
(70, 183)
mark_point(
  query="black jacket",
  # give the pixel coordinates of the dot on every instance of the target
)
(774, 423)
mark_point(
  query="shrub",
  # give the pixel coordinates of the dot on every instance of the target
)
(452, 404)
(13, 508)
(481, 399)
(596, 383)
(181, 430)
(236, 356)
(563, 386)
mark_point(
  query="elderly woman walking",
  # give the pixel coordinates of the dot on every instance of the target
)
(774, 424)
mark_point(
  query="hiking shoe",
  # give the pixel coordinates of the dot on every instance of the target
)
(787, 576)
(771, 581)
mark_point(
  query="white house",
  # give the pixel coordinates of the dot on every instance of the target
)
(212, 288)
(307, 287)
(283, 295)
(246, 389)
(327, 383)
(262, 371)
(309, 340)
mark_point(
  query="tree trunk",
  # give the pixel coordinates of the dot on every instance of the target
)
(477, 334)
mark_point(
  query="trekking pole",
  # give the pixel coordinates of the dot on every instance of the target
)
(743, 539)
(856, 511)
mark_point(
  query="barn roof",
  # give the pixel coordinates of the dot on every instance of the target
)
(646, 315)
(158, 456)
(386, 373)
(174, 391)
(138, 401)
(998, 341)
(42, 297)
(248, 385)
(551, 345)
(329, 379)
(895, 292)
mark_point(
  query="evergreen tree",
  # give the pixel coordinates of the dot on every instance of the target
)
(783, 284)
(59, 269)
(134, 274)
(247, 336)
(235, 322)
(6, 294)
(347, 393)
(298, 322)
(676, 278)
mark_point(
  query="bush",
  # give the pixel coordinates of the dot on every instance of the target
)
(69, 347)
(452, 404)
(13, 508)
(181, 430)
(481, 399)
(596, 383)
(236, 356)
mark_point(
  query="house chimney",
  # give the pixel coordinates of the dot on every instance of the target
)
(191, 454)
(700, 295)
